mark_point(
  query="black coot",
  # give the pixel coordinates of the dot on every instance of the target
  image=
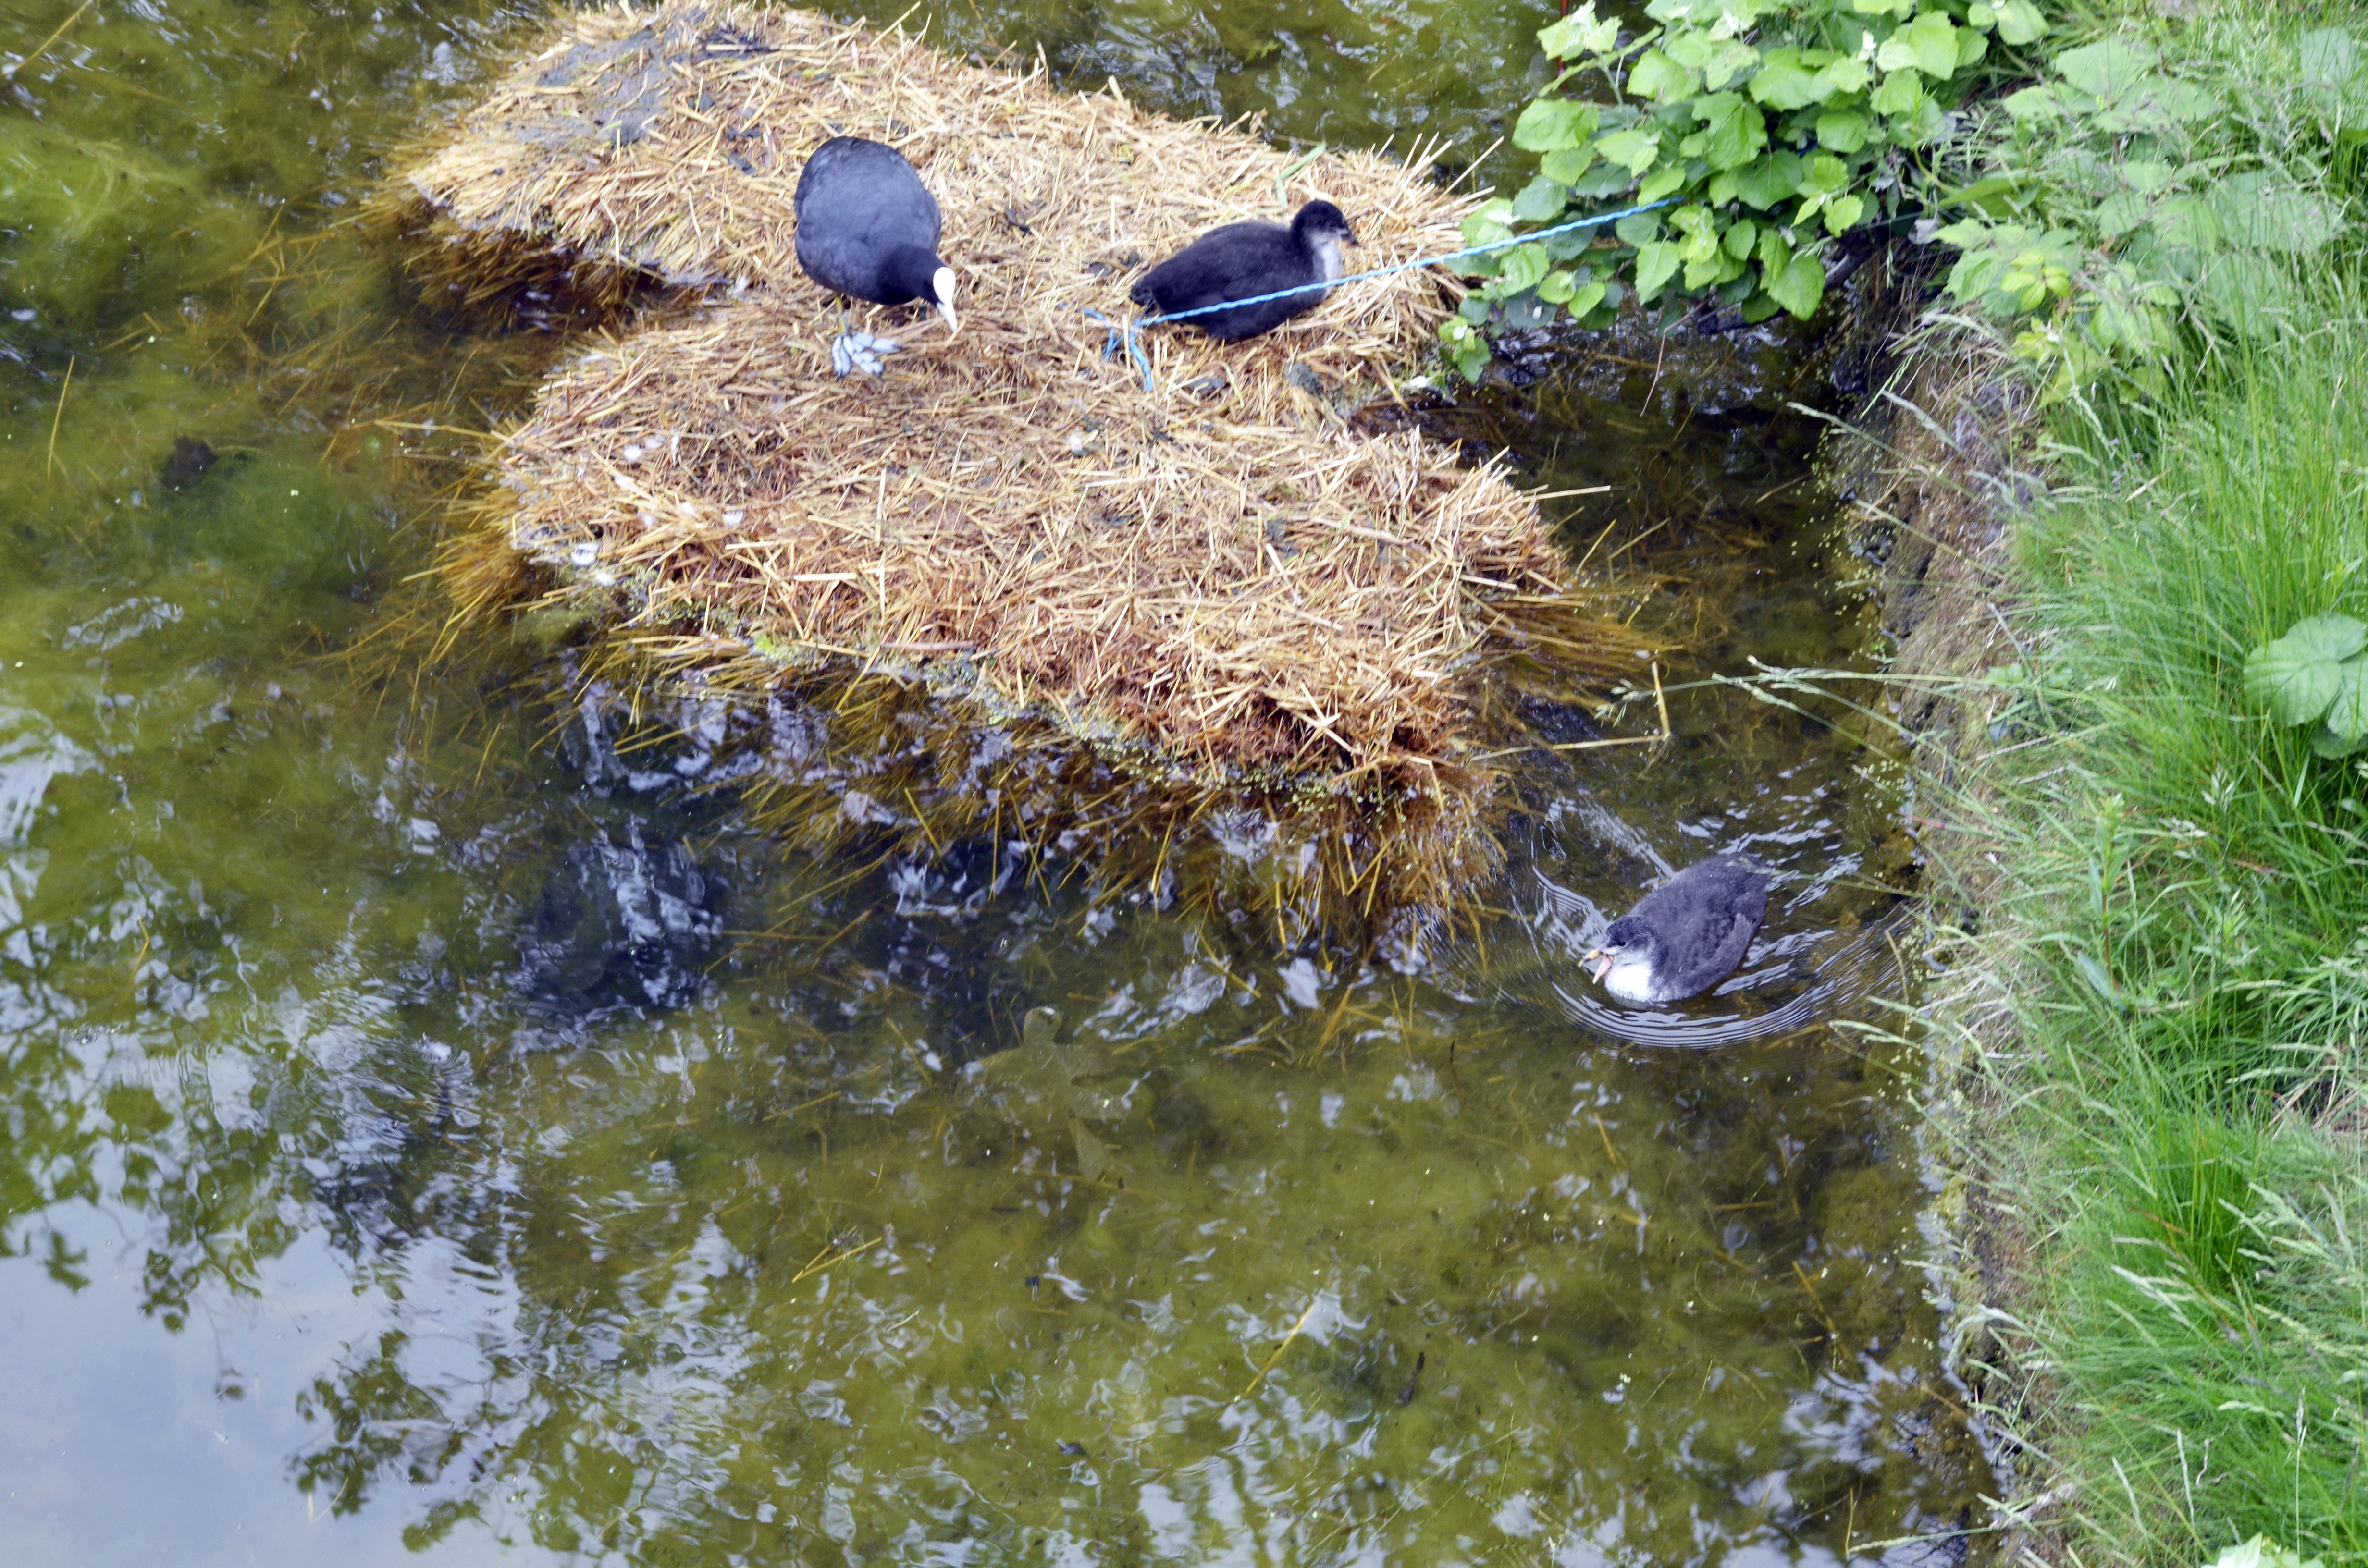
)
(1240, 260)
(869, 228)
(1686, 934)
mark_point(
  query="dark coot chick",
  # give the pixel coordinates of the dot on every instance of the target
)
(867, 227)
(1240, 260)
(1686, 934)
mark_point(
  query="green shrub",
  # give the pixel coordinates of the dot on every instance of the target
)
(1771, 126)
(2138, 202)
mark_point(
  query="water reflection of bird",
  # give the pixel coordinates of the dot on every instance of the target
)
(1241, 260)
(869, 228)
(1685, 935)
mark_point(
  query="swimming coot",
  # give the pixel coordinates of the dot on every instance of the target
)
(1686, 934)
(867, 227)
(1240, 260)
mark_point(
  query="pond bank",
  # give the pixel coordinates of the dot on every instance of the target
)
(2144, 915)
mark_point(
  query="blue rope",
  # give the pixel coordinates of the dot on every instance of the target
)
(1126, 333)
(1505, 244)
(1109, 343)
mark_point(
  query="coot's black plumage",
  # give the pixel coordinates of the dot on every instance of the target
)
(867, 227)
(1686, 934)
(1240, 260)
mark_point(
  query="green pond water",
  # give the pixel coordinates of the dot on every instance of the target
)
(363, 1199)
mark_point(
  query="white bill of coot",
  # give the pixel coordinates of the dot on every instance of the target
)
(1240, 261)
(1685, 935)
(868, 228)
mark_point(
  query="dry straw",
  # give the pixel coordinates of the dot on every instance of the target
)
(1216, 585)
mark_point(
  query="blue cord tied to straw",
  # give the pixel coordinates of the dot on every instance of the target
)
(1126, 333)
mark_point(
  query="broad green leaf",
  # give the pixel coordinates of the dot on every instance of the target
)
(1696, 223)
(1883, 8)
(1973, 47)
(2248, 290)
(1479, 229)
(2159, 102)
(2147, 175)
(1566, 165)
(1798, 285)
(2019, 22)
(1733, 130)
(2107, 69)
(2188, 222)
(2347, 716)
(1656, 263)
(2259, 215)
(1975, 274)
(2121, 213)
(1637, 228)
(1972, 234)
(2329, 55)
(1556, 287)
(1584, 299)
(1541, 201)
(1932, 45)
(1633, 149)
(1899, 94)
(1782, 85)
(1842, 129)
(1552, 124)
(1720, 60)
(1844, 76)
(1579, 33)
(1980, 16)
(1768, 182)
(1661, 182)
(1525, 268)
(1822, 175)
(1740, 238)
(1843, 212)
(1924, 126)
(2298, 675)
(2035, 103)
(1760, 307)
(1774, 254)
(2334, 747)
(1658, 77)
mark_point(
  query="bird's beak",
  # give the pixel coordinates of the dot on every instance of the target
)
(1597, 962)
(943, 286)
(1354, 241)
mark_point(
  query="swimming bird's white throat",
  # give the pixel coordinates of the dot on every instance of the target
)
(1626, 972)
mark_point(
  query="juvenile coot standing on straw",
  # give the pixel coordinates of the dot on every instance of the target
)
(1240, 260)
(867, 227)
(1685, 935)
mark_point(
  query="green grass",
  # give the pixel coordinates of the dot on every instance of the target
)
(2179, 926)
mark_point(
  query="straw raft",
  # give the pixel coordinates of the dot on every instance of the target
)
(1210, 581)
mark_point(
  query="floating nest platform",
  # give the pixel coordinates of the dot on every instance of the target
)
(1153, 584)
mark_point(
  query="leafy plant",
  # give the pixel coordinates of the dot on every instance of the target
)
(2316, 674)
(1768, 126)
(2126, 200)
